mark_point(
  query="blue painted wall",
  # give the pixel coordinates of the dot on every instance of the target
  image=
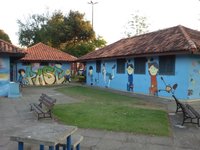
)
(39, 74)
(4, 75)
(142, 82)
(194, 78)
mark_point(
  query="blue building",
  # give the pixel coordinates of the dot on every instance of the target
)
(136, 64)
(9, 54)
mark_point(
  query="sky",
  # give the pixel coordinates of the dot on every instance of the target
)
(110, 16)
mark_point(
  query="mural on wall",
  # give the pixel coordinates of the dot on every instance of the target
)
(42, 75)
(90, 74)
(4, 69)
(22, 77)
(4, 76)
(153, 71)
(130, 71)
(108, 76)
(194, 79)
(68, 76)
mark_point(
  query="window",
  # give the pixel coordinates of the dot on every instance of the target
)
(121, 65)
(98, 66)
(140, 65)
(167, 65)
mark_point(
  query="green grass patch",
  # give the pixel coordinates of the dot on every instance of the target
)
(100, 109)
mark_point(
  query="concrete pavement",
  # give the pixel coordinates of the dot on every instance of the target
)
(15, 115)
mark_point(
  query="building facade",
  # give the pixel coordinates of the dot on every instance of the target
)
(44, 65)
(149, 64)
(8, 55)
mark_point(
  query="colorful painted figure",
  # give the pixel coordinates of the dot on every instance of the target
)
(90, 73)
(68, 76)
(22, 77)
(153, 70)
(107, 77)
(130, 71)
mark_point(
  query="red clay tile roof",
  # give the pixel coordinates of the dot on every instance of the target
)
(174, 40)
(42, 52)
(8, 48)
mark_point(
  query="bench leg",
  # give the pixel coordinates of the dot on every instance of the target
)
(57, 147)
(64, 147)
(68, 143)
(20, 146)
(78, 147)
(41, 147)
(51, 147)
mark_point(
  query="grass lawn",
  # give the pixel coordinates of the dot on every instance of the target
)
(110, 111)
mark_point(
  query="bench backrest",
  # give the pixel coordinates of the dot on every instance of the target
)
(48, 98)
(47, 101)
(186, 111)
(176, 100)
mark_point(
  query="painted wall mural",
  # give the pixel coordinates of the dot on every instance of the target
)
(187, 77)
(108, 76)
(4, 76)
(4, 69)
(130, 71)
(22, 77)
(194, 79)
(36, 74)
(90, 74)
(153, 71)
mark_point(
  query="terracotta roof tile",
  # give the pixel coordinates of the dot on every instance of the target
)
(8, 48)
(42, 52)
(178, 39)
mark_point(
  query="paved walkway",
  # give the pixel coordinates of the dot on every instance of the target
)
(15, 115)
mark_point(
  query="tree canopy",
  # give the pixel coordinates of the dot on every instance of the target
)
(71, 33)
(4, 36)
(137, 25)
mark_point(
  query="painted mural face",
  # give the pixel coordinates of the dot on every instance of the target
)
(68, 72)
(153, 70)
(91, 71)
(130, 69)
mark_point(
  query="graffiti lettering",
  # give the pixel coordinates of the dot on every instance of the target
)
(45, 75)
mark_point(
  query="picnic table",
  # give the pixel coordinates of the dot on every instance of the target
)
(44, 134)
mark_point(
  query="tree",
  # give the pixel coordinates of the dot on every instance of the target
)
(83, 48)
(4, 36)
(137, 25)
(69, 33)
(33, 30)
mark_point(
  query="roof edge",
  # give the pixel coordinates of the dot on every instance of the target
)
(190, 42)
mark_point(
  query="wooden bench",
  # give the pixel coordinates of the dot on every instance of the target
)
(45, 106)
(75, 143)
(187, 114)
(197, 115)
(178, 104)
